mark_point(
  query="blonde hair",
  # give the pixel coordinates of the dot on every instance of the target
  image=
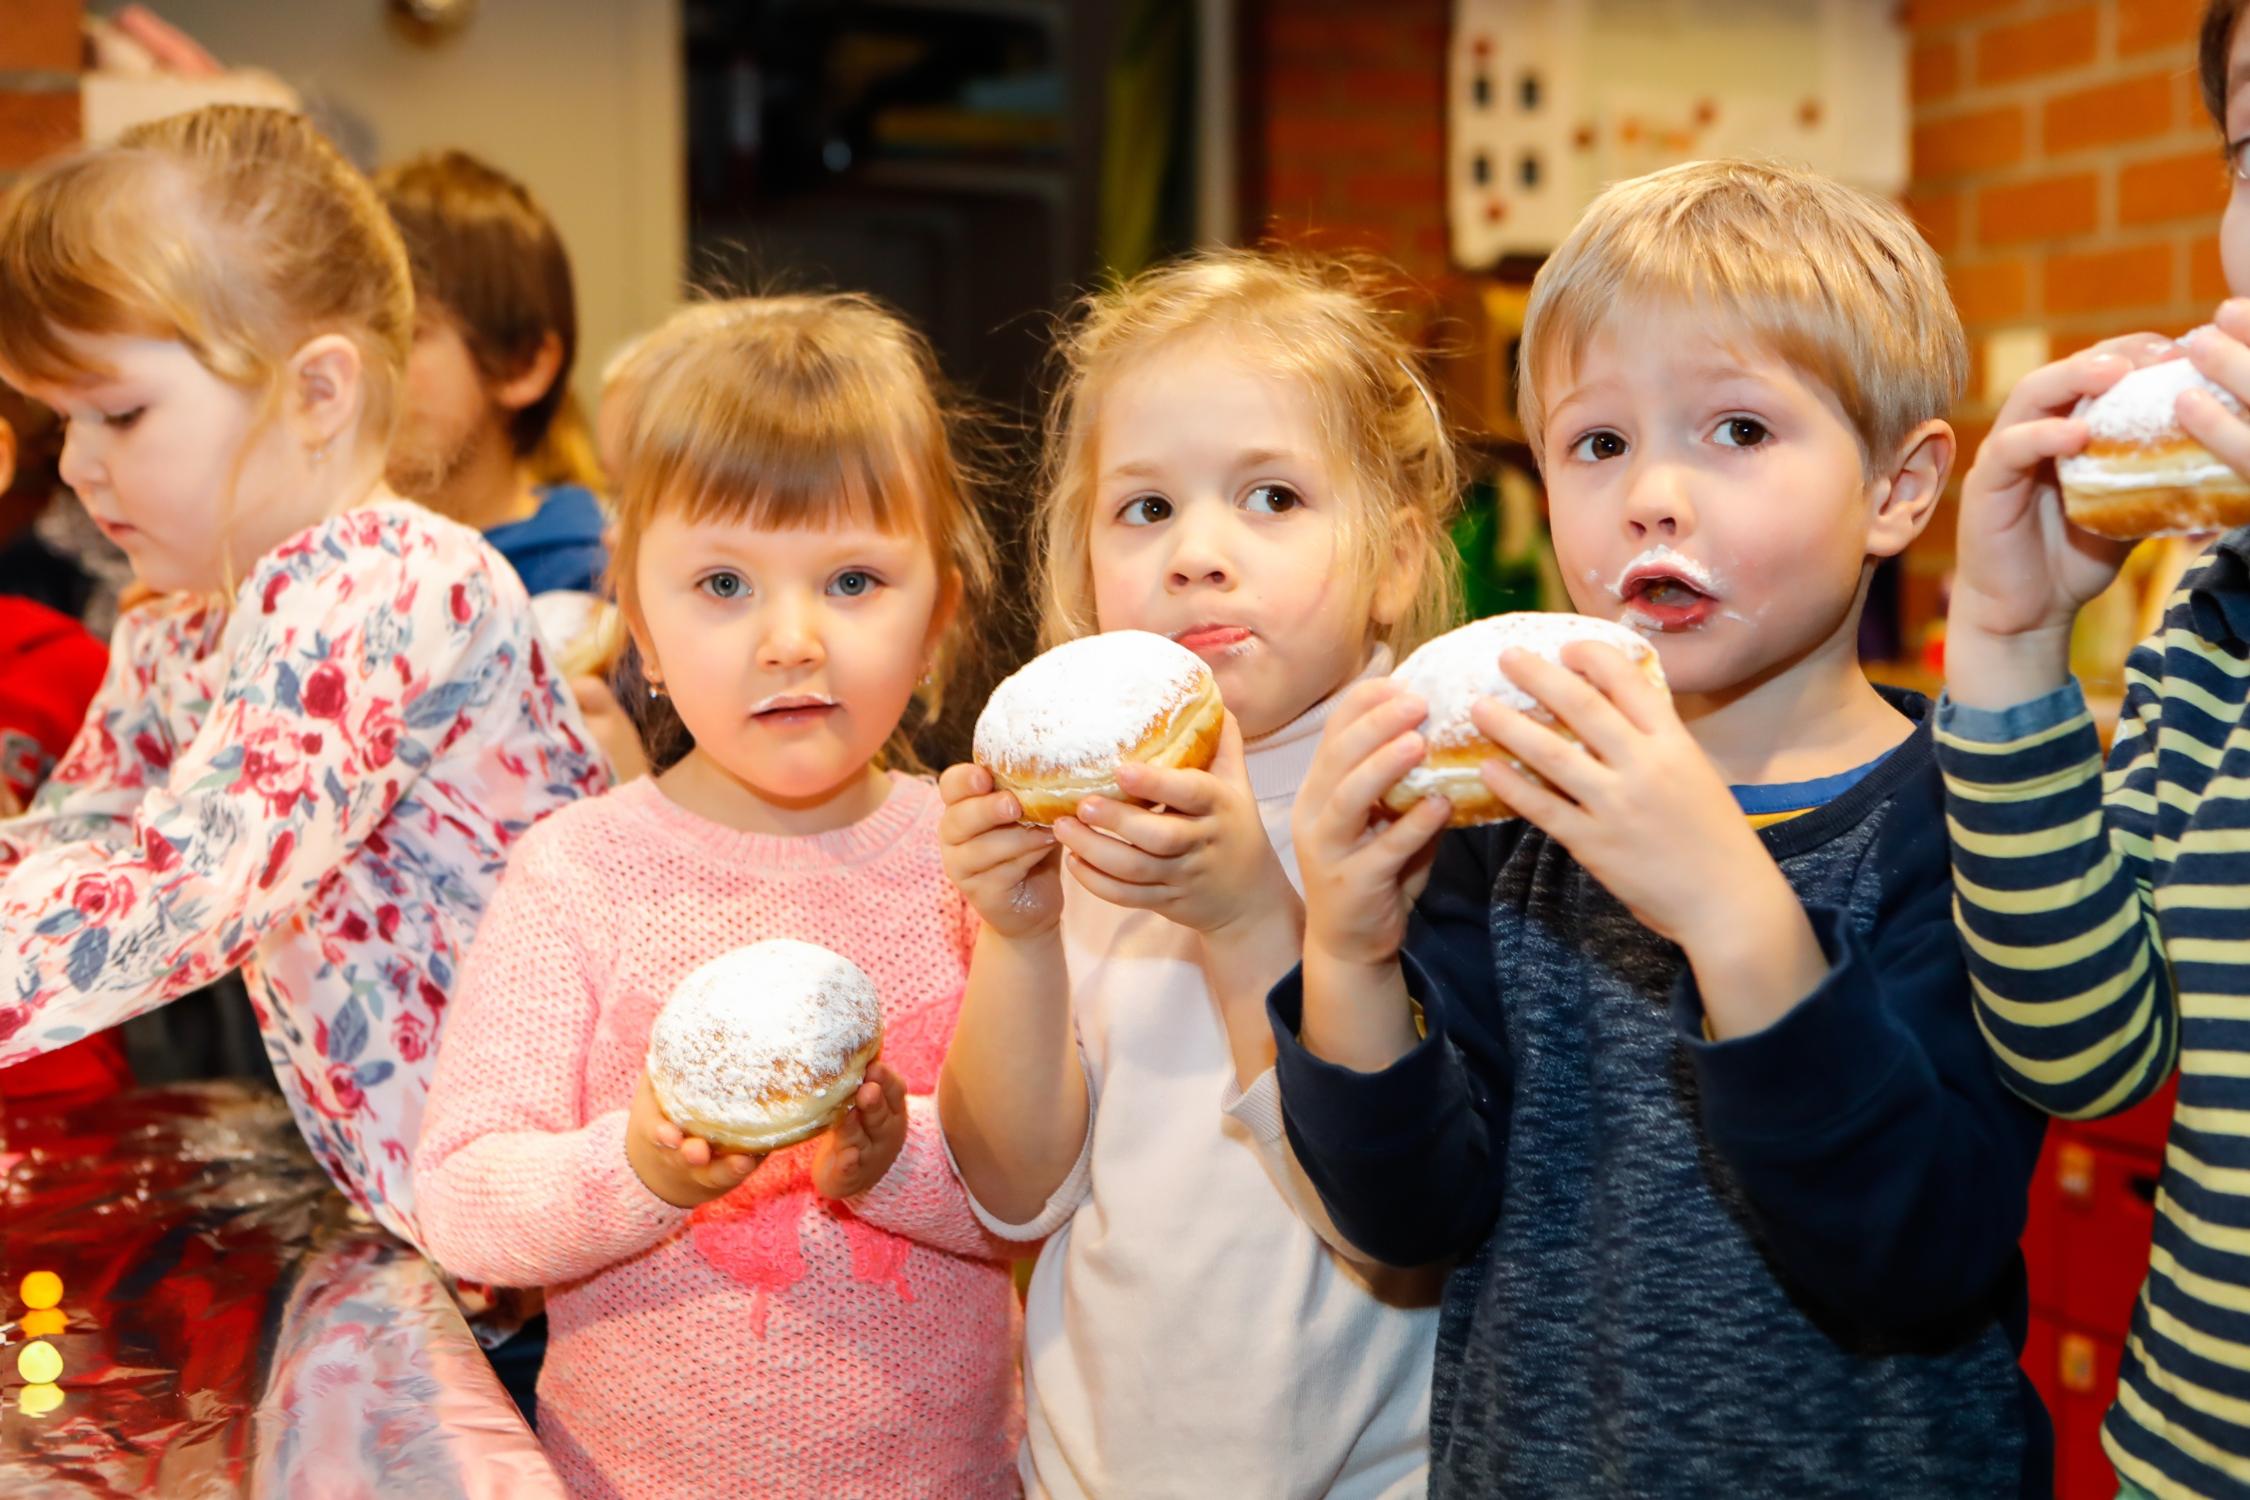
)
(1323, 322)
(1835, 281)
(237, 231)
(801, 411)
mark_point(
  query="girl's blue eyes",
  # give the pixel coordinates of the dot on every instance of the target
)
(1265, 499)
(725, 586)
(852, 583)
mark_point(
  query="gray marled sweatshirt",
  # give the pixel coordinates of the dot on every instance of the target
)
(1783, 1264)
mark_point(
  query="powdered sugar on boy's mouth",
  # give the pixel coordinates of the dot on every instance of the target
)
(1663, 558)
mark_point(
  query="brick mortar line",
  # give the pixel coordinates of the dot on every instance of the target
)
(38, 81)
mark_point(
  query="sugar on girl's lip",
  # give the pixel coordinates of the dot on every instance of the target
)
(791, 707)
(1212, 638)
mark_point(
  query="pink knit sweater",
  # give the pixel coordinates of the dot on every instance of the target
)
(770, 1343)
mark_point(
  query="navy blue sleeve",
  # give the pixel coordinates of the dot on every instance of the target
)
(1886, 1162)
(1407, 1160)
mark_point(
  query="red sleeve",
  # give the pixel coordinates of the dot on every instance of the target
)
(50, 669)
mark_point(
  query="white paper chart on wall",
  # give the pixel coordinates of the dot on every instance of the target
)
(1549, 101)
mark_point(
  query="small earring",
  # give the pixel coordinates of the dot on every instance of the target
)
(320, 453)
(655, 691)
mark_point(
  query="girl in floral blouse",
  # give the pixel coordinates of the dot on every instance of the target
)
(795, 545)
(312, 753)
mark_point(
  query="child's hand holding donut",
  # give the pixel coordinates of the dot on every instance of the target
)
(684, 1170)
(1640, 806)
(1010, 873)
(859, 1148)
(1198, 855)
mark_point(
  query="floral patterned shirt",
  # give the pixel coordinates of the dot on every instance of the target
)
(319, 785)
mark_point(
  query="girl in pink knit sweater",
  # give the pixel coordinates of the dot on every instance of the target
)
(796, 543)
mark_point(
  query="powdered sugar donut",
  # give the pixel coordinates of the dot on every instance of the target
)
(1461, 666)
(1057, 731)
(763, 1046)
(2140, 474)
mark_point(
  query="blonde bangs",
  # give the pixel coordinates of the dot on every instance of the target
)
(73, 267)
(1833, 281)
(719, 451)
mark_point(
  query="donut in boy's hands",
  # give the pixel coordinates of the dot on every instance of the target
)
(1057, 731)
(1455, 670)
(764, 1046)
(2141, 474)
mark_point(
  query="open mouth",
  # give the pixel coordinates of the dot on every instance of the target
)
(1213, 639)
(1659, 598)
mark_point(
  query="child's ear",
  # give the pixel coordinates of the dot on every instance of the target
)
(534, 378)
(635, 628)
(1907, 496)
(1394, 591)
(948, 605)
(325, 387)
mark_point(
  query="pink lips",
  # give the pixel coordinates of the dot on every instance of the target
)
(1208, 638)
(792, 709)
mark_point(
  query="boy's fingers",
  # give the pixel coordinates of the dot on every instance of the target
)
(1623, 684)
(1565, 766)
(1542, 808)
(1576, 703)
(695, 1151)
(2054, 389)
(2026, 445)
(2221, 357)
(2222, 431)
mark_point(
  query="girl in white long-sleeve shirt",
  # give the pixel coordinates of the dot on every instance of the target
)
(1241, 458)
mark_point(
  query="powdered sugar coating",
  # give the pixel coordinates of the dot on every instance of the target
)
(2139, 408)
(753, 1032)
(1463, 665)
(1087, 701)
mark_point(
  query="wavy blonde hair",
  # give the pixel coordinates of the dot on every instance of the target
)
(239, 232)
(1324, 322)
(801, 411)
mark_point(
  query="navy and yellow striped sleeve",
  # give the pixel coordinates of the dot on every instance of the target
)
(2051, 857)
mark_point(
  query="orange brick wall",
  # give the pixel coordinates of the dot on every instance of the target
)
(2064, 167)
(1344, 109)
(39, 65)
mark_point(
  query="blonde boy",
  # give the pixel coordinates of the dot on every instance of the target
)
(1701, 1103)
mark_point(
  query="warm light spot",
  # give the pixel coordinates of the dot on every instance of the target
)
(38, 1362)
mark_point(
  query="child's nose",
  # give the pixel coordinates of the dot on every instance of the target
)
(1658, 504)
(78, 467)
(1200, 548)
(791, 637)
